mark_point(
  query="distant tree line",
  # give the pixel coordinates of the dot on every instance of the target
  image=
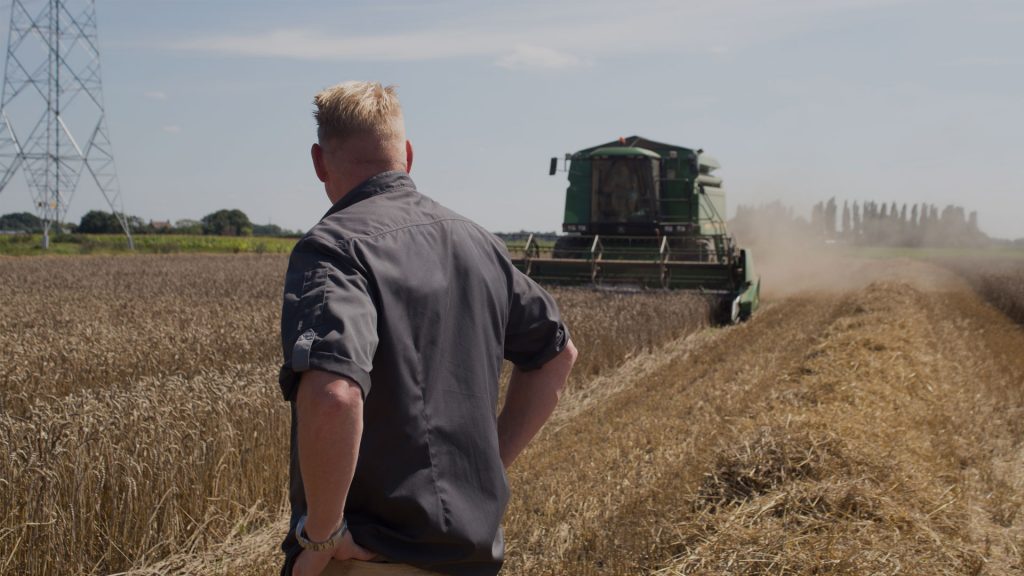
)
(889, 224)
(866, 223)
(219, 223)
(522, 235)
(20, 222)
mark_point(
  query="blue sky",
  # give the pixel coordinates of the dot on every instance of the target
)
(209, 102)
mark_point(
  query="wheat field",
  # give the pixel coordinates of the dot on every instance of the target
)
(870, 424)
(140, 412)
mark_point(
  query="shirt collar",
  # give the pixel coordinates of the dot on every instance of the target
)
(372, 186)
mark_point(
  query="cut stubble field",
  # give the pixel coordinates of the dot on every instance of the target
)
(871, 423)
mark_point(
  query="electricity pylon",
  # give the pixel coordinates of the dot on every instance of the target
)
(52, 117)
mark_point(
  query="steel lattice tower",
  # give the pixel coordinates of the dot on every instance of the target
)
(52, 117)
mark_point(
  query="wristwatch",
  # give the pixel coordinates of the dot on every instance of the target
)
(330, 544)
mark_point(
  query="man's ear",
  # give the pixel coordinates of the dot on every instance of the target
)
(408, 156)
(319, 163)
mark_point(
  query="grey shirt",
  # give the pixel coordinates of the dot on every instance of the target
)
(418, 306)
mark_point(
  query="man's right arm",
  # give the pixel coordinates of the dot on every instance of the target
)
(531, 398)
(329, 410)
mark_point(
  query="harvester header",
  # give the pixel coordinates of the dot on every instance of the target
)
(646, 214)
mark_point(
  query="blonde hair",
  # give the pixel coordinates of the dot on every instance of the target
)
(357, 107)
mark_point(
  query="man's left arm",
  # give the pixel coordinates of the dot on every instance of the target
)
(529, 402)
(329, 412)
(537, 342)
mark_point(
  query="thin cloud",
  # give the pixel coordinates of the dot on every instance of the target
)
(171, 128)
(549, 36)
(526, 57)
(156, 95)
(975, 62)
(304, 44)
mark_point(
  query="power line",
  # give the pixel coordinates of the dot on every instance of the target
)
(52, 116)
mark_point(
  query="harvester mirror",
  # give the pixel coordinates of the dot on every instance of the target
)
(554, 167)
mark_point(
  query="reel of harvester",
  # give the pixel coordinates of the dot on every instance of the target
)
(641, 214)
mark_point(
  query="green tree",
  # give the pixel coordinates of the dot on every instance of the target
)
(138, 225)
(21, 222)
(227, 223)
(99, 222)
(267, 230)
(187, 226)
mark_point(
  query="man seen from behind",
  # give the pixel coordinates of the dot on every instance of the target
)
(397, 316)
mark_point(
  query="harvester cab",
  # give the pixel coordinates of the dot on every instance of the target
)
(645, 214)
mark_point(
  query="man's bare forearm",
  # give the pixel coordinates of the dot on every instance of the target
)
(531, 398)
(330, 426)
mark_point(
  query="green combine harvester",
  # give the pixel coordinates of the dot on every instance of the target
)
(648, 215)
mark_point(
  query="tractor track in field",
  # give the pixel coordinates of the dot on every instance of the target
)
(629, 443)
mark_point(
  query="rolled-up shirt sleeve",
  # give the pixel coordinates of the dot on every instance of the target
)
(329, 319)
(535, 332)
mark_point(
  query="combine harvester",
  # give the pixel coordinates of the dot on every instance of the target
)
(648, 215)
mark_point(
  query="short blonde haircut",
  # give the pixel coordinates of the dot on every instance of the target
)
(357, 107)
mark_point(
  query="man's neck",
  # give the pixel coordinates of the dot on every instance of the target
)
(357, 175)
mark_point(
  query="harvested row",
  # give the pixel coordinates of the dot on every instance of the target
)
(1001, 282)
(610, 503)
(859, 463)
(876, 433)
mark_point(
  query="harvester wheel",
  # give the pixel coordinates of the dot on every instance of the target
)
(727, 311)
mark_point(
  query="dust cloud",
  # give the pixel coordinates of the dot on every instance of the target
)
(791, 262)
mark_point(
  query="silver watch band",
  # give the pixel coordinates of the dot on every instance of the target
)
(329, 544)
